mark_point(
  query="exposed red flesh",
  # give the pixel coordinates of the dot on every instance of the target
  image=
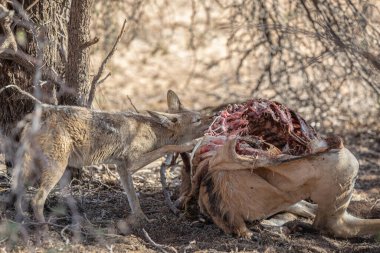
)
(264, 124)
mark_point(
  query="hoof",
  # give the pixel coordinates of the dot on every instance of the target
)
(300, 227)
(180, 203)
(245, 234)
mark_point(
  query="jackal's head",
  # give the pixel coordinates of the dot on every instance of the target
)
(185, 124)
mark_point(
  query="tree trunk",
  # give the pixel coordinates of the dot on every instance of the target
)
(64, 25)
(51, 15)
(77, 79)
(59, 36)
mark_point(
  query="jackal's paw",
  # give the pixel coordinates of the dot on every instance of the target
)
(133, 223)
(42, 237)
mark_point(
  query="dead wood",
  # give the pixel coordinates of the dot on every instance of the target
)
(95, 81)
(169, 161)
(22, 92)
(161, 247)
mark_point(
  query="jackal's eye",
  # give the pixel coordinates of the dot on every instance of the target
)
(196, 120)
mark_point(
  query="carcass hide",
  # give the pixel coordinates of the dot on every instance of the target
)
(260, 158)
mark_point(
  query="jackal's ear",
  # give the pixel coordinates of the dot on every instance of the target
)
(166, 119)
(174, 104)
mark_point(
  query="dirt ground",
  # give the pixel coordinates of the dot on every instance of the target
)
(104, 208)
(160, 59)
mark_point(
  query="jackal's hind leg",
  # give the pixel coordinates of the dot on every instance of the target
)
(22, 176)
(49, 178)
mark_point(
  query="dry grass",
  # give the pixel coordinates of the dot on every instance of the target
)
(103, 208)
(197, 64)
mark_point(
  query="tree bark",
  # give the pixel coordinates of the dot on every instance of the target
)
(77, 68)
(51, 16)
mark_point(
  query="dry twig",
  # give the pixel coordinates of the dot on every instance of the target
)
(161, 247)
(169, 160)
(22, 92)
(134, 107)
(95, 82)
(89, 43)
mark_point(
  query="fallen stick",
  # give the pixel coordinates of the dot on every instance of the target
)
(169, 160)
(156, 245)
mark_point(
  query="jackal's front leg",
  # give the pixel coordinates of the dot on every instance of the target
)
(137, 216)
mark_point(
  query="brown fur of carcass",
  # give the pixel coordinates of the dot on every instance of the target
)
(232, 189)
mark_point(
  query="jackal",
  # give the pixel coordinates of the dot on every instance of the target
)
(77, 137)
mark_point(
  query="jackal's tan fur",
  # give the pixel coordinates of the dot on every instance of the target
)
(78, 136)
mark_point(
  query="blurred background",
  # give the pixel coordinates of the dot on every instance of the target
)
(318, 57)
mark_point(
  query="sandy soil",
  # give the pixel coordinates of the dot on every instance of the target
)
(157, 60)
(104, 208)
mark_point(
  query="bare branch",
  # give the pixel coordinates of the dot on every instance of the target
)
(31, 5)
(10, 51)
(22, 92)
(104, 79)
(169, 160)
(134, 107)
(29, 63)
(89, 43)
(95, 81)
(6, 19)
(161, 247)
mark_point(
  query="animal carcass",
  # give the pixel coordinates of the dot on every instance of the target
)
(260, 158)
